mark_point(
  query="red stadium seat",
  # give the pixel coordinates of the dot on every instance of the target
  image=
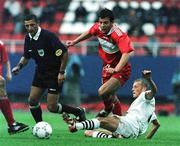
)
(134, 39)
(142, 39)
(55, 27)
(17, 36)
(160, 30)
(5, 35)
(64, 37)
(8, 27)
(45, 25)
(167, 39)
(59, 16)
(172, 30)
(140, 52)
(165, 52)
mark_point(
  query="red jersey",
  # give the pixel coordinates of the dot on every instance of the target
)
(3, 56)
(111, 45)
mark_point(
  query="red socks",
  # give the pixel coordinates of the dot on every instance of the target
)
(117, 108)
(113, 104)
(5, 107)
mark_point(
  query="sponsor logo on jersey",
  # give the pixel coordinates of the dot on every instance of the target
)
(108, 47)
(41, 52)
(58, 52)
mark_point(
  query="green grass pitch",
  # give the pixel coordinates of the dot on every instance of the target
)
(168, 134)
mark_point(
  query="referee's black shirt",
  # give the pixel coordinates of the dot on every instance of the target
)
(47, 51)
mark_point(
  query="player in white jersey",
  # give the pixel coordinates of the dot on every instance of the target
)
(134, 123)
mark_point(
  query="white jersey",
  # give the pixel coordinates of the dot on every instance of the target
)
(139, 114)
(142, 110)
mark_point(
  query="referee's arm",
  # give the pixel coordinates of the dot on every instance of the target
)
(63, 62)
(23, 61)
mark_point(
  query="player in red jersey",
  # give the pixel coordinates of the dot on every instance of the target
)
(114, 49)
(14, 127)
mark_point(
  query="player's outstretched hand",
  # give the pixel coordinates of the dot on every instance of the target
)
(15, 70)
(146, 74)
(69, 43)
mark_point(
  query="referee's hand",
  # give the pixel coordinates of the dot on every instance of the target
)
(70, 43)
(61, 78)
(15, 70)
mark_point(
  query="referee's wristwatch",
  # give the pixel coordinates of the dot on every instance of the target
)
(62, 72)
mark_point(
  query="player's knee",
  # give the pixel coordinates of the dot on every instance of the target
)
(101, 92)
(103, 95)
(103, 123)
(52, 108)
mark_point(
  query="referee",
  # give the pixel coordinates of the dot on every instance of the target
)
(51, 57)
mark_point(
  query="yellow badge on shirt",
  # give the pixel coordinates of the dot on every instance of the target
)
(58, 52)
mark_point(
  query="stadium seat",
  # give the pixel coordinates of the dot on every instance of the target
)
(110, 5)
(140, 52)
(59, 16)
(160, 30)
(88, 25)
(123, 4)
(142, 39)
(66, 28)
(74, 50)
(172, 30)
(69, 17)
(43, 3)
(167, 39)
(72, 37)
(64, 37)
(91, 17)
(145, 5)
(91, 6)
(78, 28)
(73, 5)
(9, 27)
(156, 5)
(134, 39)
(5, 35)
(134, 4)
(148, 29)
(55, 27)
(124, 27)
(17, 36)
(45, 25)
(165, 52)
(28, 4)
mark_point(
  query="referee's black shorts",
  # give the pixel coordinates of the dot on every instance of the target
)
(47, 80)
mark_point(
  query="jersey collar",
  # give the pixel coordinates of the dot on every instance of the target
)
(36, 35)
(110, 31)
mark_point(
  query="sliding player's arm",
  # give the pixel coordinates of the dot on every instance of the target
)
(154, 128)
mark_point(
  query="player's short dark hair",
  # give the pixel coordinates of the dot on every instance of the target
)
(31, 17)
(106, 13)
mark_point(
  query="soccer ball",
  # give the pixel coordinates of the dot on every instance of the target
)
(42, 130)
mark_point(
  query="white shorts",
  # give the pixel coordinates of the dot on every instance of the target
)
(128, 127)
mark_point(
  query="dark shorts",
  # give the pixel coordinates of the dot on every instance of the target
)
(48, 81)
